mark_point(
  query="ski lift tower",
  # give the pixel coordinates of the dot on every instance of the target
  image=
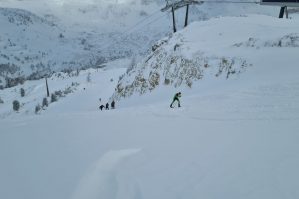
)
(174, 5)
(284, 4)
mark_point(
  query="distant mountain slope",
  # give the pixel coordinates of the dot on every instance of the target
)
(33, 46)
(23, 17)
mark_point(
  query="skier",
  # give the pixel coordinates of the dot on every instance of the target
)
(176, 98)
(113, 104)
(101, 107)
(107, 106)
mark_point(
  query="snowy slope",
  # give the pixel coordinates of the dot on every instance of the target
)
(233, 138)
(218, 48)
(67, 86)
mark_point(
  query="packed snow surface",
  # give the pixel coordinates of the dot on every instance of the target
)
(233, 138)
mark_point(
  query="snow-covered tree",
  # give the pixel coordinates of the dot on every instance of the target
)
(37, 109)
(45, 102)
(16, 105)
(22, 91)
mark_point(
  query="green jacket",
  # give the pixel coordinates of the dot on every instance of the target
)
(177, 96)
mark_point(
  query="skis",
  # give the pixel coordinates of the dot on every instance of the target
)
(174, 107)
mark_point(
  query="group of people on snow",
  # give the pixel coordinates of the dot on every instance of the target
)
(176, 98)
(106, 107)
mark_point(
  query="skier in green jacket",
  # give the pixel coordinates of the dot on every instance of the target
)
(176, 98)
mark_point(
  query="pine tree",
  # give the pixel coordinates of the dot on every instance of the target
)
(22, 90)
(16, 105)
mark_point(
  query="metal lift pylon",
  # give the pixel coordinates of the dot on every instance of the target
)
(177, 5)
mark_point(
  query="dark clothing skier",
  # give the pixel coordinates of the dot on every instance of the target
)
(101, 107)
(176, 98)
(113, 104)
(107, 106)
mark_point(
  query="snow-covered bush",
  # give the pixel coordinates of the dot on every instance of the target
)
(58, 93)
(68, 90)
(75, 84)
(11, 82)
(16, 105)
(289, 40)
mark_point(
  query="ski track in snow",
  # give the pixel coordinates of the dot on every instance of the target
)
(241, 105)
(101, 181)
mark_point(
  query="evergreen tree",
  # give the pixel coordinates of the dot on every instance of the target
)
(45, 102)
(22, 90)
(16, 105)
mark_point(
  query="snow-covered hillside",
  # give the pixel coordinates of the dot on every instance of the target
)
(233, 138)
(65, 87)
(44, 36)
(32, 46)
(218, 48)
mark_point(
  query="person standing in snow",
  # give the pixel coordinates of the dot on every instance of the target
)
(113, 104)
(176, 98)
(107, 106)
(101, 107)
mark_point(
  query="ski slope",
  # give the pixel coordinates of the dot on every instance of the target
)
(233, 138)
